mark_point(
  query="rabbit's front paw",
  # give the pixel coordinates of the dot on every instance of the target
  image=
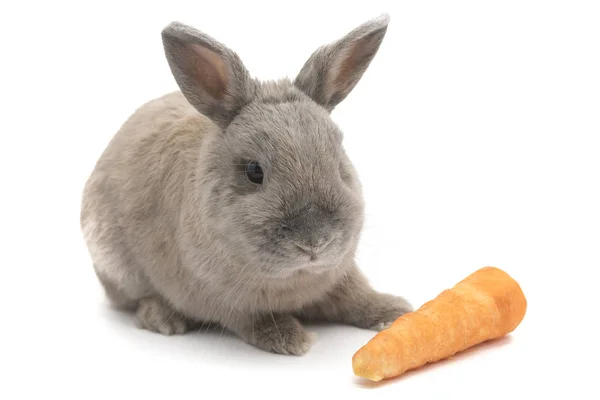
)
(385, 310)
(153, 315)
(281, 334)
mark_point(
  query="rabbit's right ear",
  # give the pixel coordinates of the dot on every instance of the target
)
(211, 76)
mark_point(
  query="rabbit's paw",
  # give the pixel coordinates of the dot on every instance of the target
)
(384, 311)
(281, 334)
(153, 315)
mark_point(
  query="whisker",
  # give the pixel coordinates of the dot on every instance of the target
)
(229, 291)
(210, 317)
(242, 278)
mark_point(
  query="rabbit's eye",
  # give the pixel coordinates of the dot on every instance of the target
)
(254, 172)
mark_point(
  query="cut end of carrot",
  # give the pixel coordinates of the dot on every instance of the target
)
(506, 293)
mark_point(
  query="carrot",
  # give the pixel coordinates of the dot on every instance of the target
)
(485, 305)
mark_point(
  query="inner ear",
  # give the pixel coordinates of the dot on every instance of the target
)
(207, 69)
(353, 64)
(333, 70)
(211, 76)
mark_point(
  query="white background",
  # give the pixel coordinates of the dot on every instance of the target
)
(475, 132)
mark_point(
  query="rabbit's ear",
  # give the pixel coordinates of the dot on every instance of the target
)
(332, 71)
(211, 77)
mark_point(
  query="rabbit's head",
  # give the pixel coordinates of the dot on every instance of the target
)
(275, 184)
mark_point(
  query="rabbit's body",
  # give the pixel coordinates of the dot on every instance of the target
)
(179, 231)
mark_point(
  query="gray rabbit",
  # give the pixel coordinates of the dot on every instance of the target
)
(232, 201)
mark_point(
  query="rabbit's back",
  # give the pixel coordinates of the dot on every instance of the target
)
(132, 199)
(158, 132)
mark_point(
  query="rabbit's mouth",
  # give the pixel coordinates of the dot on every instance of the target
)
(311, 267)
(313, 262)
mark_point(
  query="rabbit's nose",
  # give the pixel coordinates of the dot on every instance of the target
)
(314, 249)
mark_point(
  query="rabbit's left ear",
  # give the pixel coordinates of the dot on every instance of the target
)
(210, 75)
(332, 71)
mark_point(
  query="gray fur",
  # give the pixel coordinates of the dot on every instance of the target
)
(179, 235)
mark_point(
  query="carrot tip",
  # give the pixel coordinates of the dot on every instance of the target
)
(361, 368)
(370, 375)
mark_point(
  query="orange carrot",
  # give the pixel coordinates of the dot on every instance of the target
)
(486, 305)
